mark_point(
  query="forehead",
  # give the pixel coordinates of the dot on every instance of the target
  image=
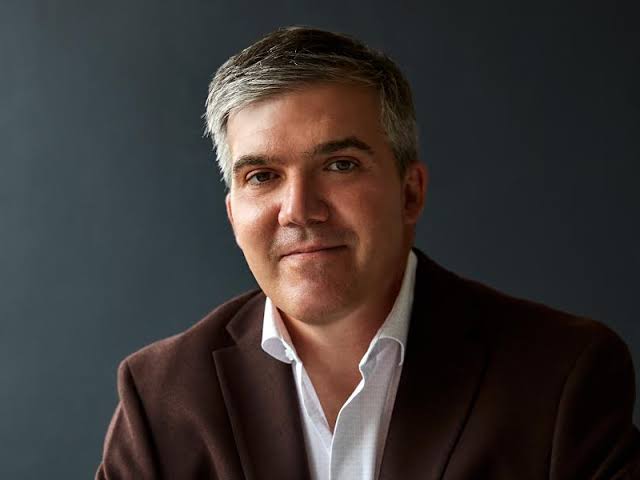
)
(296, 121)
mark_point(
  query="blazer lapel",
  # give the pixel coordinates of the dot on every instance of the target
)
(260, 396)
(444, 365)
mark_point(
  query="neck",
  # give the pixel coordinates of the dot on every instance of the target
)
(340, 344)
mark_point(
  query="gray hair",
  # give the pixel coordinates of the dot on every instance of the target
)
(292, 57)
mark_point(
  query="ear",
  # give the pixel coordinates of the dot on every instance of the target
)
(227, 202)
(415, 188)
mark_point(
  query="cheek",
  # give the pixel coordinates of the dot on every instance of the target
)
(253, 225)
(374, 213)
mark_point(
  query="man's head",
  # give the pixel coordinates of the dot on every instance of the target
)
(320, 202)
(290, 58)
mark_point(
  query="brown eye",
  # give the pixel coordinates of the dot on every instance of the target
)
(260, 177)
(342, 165)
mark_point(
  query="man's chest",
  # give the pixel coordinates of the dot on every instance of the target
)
(345, 423)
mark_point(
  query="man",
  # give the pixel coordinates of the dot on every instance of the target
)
(358, 357)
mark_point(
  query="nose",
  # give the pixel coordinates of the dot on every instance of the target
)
(302, 204)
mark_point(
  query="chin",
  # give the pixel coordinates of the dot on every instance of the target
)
(312, 305)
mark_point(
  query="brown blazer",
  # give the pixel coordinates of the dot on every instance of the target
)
(492, 387)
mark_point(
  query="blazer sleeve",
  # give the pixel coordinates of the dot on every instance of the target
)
(128, 449)
(594, 436)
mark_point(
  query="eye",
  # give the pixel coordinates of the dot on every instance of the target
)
(342, 165)
(258, 178)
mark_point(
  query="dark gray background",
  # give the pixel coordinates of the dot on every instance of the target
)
(113, 232)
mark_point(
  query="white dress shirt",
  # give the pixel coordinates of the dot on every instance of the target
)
(354, 450)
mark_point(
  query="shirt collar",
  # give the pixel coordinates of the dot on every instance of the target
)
(275, 336)
(277, 342)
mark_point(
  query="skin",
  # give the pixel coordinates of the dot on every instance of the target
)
(325, 222)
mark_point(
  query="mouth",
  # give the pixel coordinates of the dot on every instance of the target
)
(313, 251)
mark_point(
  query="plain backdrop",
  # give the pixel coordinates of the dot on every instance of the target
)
(113, 231)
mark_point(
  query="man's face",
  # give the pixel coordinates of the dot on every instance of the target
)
(316, 202)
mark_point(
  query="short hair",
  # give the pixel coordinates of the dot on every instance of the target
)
(292, 57)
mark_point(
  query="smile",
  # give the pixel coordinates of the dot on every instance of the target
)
(313, 252)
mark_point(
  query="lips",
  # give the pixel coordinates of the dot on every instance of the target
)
(312, 249)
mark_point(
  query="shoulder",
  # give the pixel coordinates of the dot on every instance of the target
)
(518, 330)
(168, 395)
(534, 326)
(188, 353)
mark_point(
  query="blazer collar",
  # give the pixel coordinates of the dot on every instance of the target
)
(443, 367)
(260, 396)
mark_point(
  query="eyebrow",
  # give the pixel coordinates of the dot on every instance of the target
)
(334, 146)
(250, 161)
(325, 148)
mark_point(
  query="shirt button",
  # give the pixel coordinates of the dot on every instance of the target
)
(289, 354)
